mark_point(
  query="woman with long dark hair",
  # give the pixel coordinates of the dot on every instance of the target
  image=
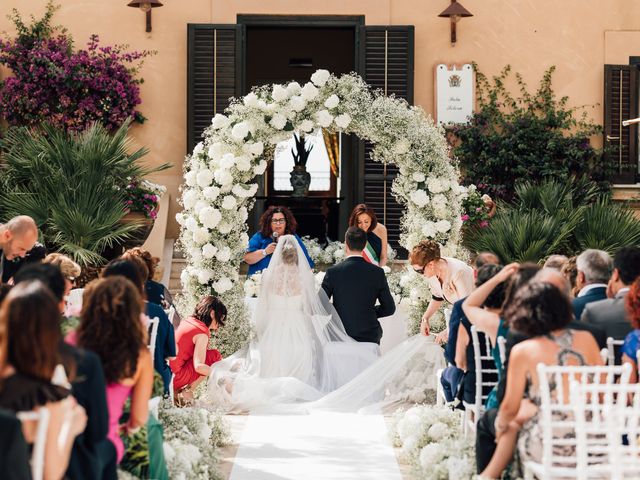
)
(365, 218)
(274, 223)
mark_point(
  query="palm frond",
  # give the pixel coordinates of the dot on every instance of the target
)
(607, 227)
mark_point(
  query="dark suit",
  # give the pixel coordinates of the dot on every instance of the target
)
(355, 285)
(609, 315)
(10, 267)
(14, 452)
(593, 295)
(91, 456)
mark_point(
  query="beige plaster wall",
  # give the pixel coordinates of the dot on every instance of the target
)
(578, 36)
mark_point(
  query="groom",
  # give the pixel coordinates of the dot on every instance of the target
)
(355, 285)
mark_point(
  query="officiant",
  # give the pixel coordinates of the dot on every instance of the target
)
(275, 222)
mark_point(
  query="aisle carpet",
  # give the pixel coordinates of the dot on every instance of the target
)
(320, 446)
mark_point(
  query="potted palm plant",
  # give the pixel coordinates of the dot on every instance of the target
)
(300, 178)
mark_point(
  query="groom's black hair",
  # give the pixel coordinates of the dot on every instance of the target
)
(356, 239)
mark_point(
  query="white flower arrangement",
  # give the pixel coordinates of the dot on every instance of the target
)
(431, 440)
(246, 136)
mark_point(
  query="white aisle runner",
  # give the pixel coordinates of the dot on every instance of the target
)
(319, 446)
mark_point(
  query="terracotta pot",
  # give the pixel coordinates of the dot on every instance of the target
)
(140, 235)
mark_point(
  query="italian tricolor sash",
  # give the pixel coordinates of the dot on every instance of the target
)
(369, 254)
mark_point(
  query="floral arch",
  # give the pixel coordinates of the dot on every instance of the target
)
(220, 174)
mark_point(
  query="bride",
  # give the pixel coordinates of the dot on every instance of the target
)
(301, 354)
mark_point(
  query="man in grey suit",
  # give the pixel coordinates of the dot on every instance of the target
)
(610, 314)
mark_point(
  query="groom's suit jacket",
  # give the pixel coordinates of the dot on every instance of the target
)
(355, 285)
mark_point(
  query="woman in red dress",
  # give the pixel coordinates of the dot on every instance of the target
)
(194, 360)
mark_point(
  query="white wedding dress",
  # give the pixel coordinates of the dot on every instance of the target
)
(301, 358)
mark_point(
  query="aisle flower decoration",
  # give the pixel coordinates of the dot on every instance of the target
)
(220, 177)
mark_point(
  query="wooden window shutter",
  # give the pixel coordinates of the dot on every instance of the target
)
(621, 103)
(214, 54)
(388, 66)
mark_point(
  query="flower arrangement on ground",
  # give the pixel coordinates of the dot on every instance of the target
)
(431, 440)
(220, 174)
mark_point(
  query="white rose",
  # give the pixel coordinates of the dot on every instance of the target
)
(309, 92)
(220, 121)
(429, 230)
(191, 224)
(210, 217)
(196, 255)
(279, 93)
(435, 185)
(297, 103)
(418, 177)
(306, 125)
(332, 101)
(201, 235)
(189, 199)
(200, 204)
(197, 150)
(240, 130)
(243, 213)
(443, 226)
(278, 121)
(294, 88)
(439, 199)
(343, 121)
(223, 177)
(320, 77)
(402, 146)
(180, 219)
(251, 100)
(324, 118)
(225, 227)
(208, 250)
(184, 277)
(227, 161)
(190, 178)
(211, 193)
(243, 163)
(215, 151)
(229, 202)
(419, 197)
(204, 275)
(204, 178)
(244, 238)
(260, 168)
(224, 254)
(256, 148)
(223, 285)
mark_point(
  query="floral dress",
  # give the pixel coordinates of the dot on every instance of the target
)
(530, 438)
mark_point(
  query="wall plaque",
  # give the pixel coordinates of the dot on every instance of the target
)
(455, 93)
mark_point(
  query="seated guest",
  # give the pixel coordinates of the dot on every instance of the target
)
(17, 238)
(111, 327)
(194, 360)
(29, 353)
(14, 451)
(155, 291)
(135, 271)
(555, 262)
(610, 315)
(448, 278)
(70, 270)
(594, 270)
(632, 340)
(570, 271)
(542, 312)
(376, 249)
(93, 456)
(275, 222)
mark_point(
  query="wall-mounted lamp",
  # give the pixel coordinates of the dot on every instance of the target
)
(455, 12)
(146, 6)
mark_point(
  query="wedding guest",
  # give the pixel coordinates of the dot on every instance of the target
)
(194, 360)
(632, 340)
(29, 353)
(70, 269)
(14, 451)
(555, 261)
(17, 237)
(111, 328)
(610, 315)
(155, 291)
(275, 222)
(135, 271)
(570, 271)
(365, 218)
(92, 456)
(542, 312)
(449, 279)
(594, 270)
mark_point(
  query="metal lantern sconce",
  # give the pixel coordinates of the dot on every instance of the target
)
(455, 12)
(146, 6)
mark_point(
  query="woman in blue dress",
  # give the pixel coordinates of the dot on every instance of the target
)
(275, 222)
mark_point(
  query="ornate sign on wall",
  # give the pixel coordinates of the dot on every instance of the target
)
(455, 93)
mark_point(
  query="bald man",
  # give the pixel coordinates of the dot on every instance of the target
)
(17, 238)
